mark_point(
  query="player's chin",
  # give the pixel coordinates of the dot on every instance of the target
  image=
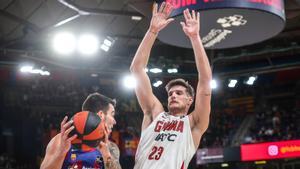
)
(173, 108)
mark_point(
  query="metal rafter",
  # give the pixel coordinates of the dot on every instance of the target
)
(95, 11)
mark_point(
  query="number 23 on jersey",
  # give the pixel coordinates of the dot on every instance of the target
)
(155, 153)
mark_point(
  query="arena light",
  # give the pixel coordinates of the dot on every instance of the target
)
(136, 18)
(88, 44)
(39, 71)
(107, 42)
(94, 75)
(251, 80)
(104, 47)
(155, 70)
(64, 43)
(45, 73)
(157, 83)
(213, 84)
(224, 165)
(31, 70)
(260, 162)
(173, 70)
(26, 69)
(232, 83)
(146, 70)
(129, 82)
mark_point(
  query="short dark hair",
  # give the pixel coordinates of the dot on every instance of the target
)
(96, 102)
(181, 82)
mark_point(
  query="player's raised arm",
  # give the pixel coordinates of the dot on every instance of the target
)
(200, 116)
(58, 147)
(148, 102)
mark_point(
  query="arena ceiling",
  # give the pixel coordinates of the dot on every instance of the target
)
(28, 25)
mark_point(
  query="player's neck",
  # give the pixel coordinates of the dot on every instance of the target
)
(177, 113)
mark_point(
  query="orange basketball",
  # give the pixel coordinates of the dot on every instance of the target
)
(89, 128)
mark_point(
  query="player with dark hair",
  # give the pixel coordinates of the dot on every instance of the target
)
(170, 139)
(59, 152)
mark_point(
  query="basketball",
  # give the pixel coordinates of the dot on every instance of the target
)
(89, 128)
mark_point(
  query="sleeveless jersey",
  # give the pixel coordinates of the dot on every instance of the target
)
(167, 143)
(78, 159)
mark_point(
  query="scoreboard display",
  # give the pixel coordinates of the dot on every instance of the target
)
(227, 23)
(270, 150)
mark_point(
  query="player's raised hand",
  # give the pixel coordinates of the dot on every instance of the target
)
(160, 17)
(104, 144)
(191, 26)
(65, 140)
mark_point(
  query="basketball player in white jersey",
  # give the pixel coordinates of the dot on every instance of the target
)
(170, 139)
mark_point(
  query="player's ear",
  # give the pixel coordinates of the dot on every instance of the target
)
(190, 99)
(100, 113)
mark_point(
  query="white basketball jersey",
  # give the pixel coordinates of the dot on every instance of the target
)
(167, 143)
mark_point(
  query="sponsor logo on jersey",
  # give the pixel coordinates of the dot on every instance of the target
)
(166, 136)
(174, 125)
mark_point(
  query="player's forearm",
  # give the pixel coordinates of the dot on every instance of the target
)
(142, 55)
(202, 63)
(112, 164)
(111, 157)
(55, 162)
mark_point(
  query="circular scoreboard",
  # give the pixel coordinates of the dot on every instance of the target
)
(226, 23)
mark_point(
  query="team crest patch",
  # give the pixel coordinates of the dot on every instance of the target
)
(73, 157)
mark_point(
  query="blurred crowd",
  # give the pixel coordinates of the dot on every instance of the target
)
(275, 123)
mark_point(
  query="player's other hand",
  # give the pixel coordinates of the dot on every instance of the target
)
(160, 17)
(65, 141)
(104, 145)
(191, 26)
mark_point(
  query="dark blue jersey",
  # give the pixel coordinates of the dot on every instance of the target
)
(78, 159)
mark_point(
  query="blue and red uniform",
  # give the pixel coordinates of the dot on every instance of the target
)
(78, 159)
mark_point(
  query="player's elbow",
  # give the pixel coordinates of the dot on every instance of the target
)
(132, 68)
(135, 68)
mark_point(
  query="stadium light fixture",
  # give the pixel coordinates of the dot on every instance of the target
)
(64, 43)
(232, 83)
(173, 70)
(88, 44)
(26, 69)
(157, 83)
(224, 165)
(129, 82)
(251, 80)
(107, 42)
(213, 84)
(136, 18)
(31, 70)
(155, 70)
(105, 48)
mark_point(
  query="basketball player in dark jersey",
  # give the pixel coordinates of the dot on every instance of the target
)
(61, 155)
